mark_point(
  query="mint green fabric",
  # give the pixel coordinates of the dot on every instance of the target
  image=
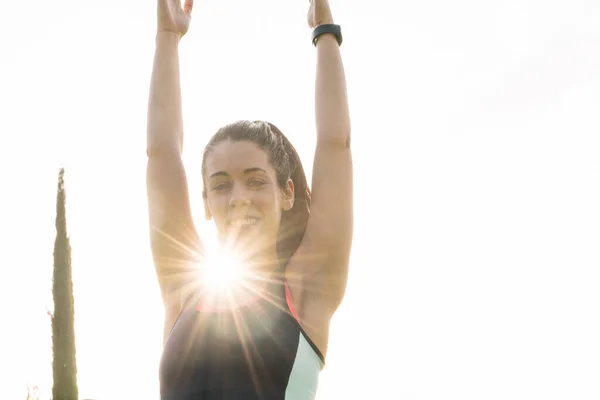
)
(304, 378)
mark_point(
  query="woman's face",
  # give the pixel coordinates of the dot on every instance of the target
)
(243, 197)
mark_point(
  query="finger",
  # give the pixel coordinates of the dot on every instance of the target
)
(187, 6)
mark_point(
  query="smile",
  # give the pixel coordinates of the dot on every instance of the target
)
(244, 222)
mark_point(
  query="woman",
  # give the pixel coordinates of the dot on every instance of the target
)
(267, 337)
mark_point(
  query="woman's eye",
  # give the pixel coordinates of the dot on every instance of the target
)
(255, 183)
(221, 186)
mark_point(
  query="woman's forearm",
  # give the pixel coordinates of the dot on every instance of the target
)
(331, 101)
(165, 120)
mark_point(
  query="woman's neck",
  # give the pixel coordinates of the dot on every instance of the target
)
(265, 261)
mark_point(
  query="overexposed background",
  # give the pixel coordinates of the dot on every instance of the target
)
(475, 266)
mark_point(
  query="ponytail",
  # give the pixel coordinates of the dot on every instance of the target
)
(293, 221)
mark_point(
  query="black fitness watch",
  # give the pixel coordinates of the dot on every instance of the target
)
(327, 28)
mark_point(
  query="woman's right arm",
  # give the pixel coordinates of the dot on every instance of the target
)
(176, 247)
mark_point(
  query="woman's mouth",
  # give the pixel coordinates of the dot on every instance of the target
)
(243, 222)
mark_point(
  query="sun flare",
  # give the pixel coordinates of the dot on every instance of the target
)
(224, 271)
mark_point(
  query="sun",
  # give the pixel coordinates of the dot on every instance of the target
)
(224, 271)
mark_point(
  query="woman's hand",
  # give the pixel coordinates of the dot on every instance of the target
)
(319, 13)
(173, 18)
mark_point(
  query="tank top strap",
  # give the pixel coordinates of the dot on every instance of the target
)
(290, 301)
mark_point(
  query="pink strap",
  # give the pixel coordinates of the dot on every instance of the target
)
(290, 302)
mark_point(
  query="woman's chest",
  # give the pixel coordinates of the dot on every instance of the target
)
(256, 345)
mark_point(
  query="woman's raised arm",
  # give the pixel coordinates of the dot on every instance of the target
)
(330, 227)
(175, 244)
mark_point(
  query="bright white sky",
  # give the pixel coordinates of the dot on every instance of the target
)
(477, 156)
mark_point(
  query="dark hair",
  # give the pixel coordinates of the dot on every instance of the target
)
(285, 160)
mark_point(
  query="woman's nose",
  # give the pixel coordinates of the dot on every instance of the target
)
(239, 197)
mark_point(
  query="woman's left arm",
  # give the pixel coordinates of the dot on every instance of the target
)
(330, 227)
